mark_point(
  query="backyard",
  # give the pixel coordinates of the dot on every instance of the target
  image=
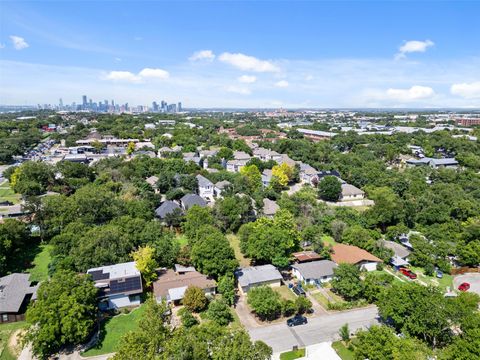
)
(285, 292)
(6, 332)
(7, 194)
(113, 329)
(39, 271)
(235, 244)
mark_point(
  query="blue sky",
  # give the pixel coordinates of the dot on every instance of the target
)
(243, 54)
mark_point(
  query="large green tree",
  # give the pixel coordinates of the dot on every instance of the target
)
(330, 188)
(346, 281)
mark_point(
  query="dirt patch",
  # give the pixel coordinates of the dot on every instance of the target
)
(14, 344)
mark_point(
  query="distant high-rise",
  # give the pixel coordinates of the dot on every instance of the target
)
(179, 107)
(84, 100)
(60, 103)
(155, 106)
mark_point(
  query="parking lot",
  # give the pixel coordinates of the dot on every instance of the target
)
(472, 278)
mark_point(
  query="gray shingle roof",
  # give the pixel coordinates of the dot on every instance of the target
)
(257, 274)
(316, 269)
(166, 208)
(398, 249)
(203, 181)
(13, 289)
(190, 200)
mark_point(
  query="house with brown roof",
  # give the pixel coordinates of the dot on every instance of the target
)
(306, 256)
(172, 284)
(349, 254)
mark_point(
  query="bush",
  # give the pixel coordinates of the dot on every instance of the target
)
(288, 307)
(344, 333)
(194, 299)
(302, 304)
(265, 302)
(188, 320)
(219, 311)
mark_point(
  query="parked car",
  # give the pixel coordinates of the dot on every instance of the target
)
(439, 274)
(297, 320)
(299, 291)
(408, 273)
(464, 286)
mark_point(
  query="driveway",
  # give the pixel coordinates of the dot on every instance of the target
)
(472, 278)
(319, 329)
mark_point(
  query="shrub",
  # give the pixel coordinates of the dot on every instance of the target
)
(265, 302)
(219, 311)
(194, 299)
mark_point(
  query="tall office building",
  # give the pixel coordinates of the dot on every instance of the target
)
(60, 103)
(179, 107)
(84, 100)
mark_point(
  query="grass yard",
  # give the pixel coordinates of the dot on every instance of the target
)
(342, 350)
(235, 244)
(39, 272)
(291, 355)
(182, 240)
(323, 300)
(7, 194)
(328, 240)
(285, 292)
(379, 272)
(6, 331)
(113, 329)
(446, 281)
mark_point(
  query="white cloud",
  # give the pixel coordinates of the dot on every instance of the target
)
(413, 46)
(2, 46)
(416, 92)
(466, 90)
(247, 79)
(206, 55)
(122, 76)
(18, 42)
(282, 84)
(117, 59)
(154, 73)
(239, 90)
(248, 63)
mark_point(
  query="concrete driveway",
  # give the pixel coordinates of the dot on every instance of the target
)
(319, 329)
(472, 278)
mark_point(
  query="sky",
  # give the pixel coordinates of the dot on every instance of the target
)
(267, 54)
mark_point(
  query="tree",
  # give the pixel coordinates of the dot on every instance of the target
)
(188, 320)
(469, 254)
(194, 299)
(344, 333)
(63, 314)
(233, 211)
(265, 302)
(388, 208)
(253, 176)
(146, 264)
(337, 227)
(329, 188)
(226, 287)
(282, 174)
(32, 178)
(361, 237)
(149, 339)
(374, 284)
(194, 220)
(130, 148)
(346, 281)
(302, 304)
(288, 307)
(220, 312)
(14, 238)
(212, 254)
(267, 239)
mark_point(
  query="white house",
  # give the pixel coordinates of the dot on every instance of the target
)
(314, 272)
(350, 192)
(253, 276)
(205, 188)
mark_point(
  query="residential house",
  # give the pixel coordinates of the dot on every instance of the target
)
(270, 208)
(240, 159)
(285, 159)
(172, 284)
(350, 192)
(266, 177)
(450, 163)
(306, 256)
(316, 135)
(16, 292)
(119, 285)
(254, 276)
(400, 253)
(308, 174)
(167, 207)
(190, 200)
(349, 254)
(152, 181)
(191, 156)
(205, 188)
(315, 272)
(266, 154)
(220, 187)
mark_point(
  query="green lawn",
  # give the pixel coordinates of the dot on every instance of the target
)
(446, 281)
(342, 350)
(291, 355)
(235, 244)
(182, 240)
(39, 272)
(323, 300)
(328, 240)
(112, 331)
(7, 194)
(285, 292)
(6, 330)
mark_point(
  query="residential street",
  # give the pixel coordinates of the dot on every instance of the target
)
(319, 329)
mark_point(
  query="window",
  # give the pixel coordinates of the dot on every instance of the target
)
(4, 317)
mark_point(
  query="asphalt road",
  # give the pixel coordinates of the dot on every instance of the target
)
(319, 329)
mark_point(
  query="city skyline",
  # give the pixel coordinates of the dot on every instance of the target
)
(243, 55)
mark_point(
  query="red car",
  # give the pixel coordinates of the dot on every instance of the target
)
(464, 286)
(408, 273)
